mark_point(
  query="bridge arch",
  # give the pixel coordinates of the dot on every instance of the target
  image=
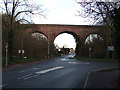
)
(99, 34)
(76, 37)
(31, 32)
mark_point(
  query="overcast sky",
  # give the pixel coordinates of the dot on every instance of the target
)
(60, 12)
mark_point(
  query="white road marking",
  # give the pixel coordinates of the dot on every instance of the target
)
(24, 76)
(3, 85)
(48, 70)
(30, 77)
(63, 59)
(39, 72)
(78, 63)
(72, 62)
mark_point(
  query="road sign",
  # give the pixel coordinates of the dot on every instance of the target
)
(111, 48)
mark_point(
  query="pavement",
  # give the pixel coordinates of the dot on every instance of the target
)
(103, 79)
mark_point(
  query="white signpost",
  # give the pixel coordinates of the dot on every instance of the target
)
(23, 51)
(19, 51)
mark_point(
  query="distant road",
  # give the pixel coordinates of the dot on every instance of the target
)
(59, 72)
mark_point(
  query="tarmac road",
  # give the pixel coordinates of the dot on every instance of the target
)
(60, 72)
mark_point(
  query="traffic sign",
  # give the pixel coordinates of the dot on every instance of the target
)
(111, 48)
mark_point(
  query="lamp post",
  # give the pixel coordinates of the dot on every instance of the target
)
(48, 43)
(48, 48)
(6, 47)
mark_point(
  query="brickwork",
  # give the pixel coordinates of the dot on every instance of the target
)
(80, 32)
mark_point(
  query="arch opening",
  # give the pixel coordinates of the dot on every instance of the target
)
(95, 46)
(35, 45)
(65, 43)
(39, 36)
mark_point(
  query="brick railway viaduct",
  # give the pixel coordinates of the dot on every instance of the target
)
(80, 32)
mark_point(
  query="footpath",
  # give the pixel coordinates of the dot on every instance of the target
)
(104, 78)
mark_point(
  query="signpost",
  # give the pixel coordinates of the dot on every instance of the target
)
(21, 53)
(6, 47)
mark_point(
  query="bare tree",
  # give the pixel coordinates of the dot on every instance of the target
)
(18, 11)
(98, 11)
(106, 12)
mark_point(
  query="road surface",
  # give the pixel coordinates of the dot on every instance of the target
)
(60, 72)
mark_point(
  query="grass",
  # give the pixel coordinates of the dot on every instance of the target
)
(21, 61)
(96, 59)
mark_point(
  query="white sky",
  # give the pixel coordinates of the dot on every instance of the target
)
(60, 12)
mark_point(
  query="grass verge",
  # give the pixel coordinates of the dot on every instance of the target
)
(21, 61)
(97, 59)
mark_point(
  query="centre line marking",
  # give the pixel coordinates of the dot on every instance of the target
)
(48, 70)
(63, 59)
(24, 76)
(40, 72)
(30, 77)
(78, 63)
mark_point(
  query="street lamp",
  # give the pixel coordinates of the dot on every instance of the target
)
(48, 43)
(6, 47)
